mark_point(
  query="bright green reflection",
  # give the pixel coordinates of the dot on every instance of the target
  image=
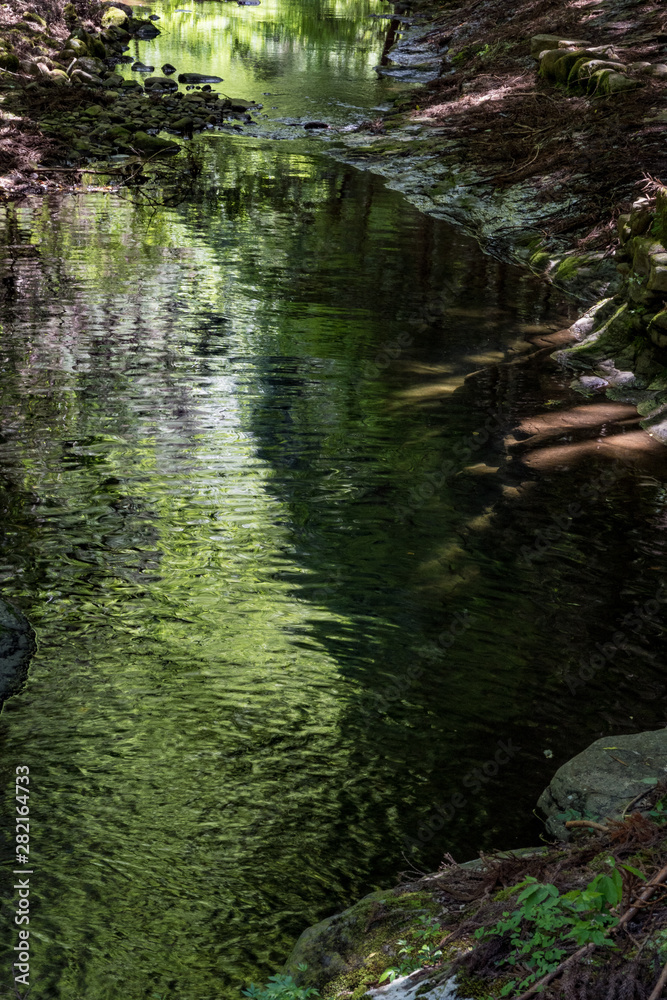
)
(314, 58)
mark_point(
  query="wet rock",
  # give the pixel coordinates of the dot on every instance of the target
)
(182, 124)
(113, 81)
(656, 423)
(144, 29)
(162, 83)
(168, 69)
(114, 17)
(311, 125)
(17, 645)
(236, 104)
(600, 781)
(153, 17)
(153, 145)
(198, 78)
(139, 67)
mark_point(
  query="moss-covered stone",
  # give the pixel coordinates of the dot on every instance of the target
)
(353, 948)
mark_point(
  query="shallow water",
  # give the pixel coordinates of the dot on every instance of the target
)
(304, 617)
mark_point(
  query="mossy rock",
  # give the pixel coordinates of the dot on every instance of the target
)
(353, 948)
(9, 61)
(29, 15)
(605, 342)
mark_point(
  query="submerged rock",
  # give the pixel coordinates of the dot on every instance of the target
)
(17, 645)
(153, 145)
(160, 83)
(198, 78)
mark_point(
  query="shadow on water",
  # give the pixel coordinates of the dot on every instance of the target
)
(293, 523)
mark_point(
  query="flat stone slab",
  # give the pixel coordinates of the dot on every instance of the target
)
(17, 645)
(602, 780)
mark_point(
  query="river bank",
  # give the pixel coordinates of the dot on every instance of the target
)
(539, 135)
(465, 930)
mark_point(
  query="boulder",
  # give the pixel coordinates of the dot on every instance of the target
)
(17, 645)
(139, 67)
(601, 781)
(76, 46)
(143, 29)
(181, 124)
(168, 69)
(114, 17)
(90, 65)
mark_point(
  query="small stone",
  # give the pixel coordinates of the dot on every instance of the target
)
(194, 99)
(113, 81)
(168, 69)
(311, 125)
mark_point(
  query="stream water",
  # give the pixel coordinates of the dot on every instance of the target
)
(303, 619)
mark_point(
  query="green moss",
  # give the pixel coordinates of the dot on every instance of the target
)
(569, 266)
(9, 61)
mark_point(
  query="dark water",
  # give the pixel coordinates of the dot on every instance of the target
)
(306, 613)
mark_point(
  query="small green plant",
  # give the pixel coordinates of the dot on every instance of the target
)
(545, 921)
(420, 951)
(659, 812)
(281, 988)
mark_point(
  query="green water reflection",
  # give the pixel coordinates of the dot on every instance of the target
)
(299, 60)
(214, 421)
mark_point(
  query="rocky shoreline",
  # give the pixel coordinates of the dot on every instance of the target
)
(594, 807)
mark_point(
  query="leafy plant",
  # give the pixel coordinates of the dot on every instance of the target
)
(422, 950)
(545, 921)
(659, 812)
(281, 988)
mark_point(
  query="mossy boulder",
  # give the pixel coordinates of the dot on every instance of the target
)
(17, 645)
(608, 340)
(114, 17)
(352, 949)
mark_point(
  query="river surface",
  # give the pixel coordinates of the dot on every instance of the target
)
(307, 616)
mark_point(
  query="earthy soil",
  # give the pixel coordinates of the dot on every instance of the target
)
(514, 126)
